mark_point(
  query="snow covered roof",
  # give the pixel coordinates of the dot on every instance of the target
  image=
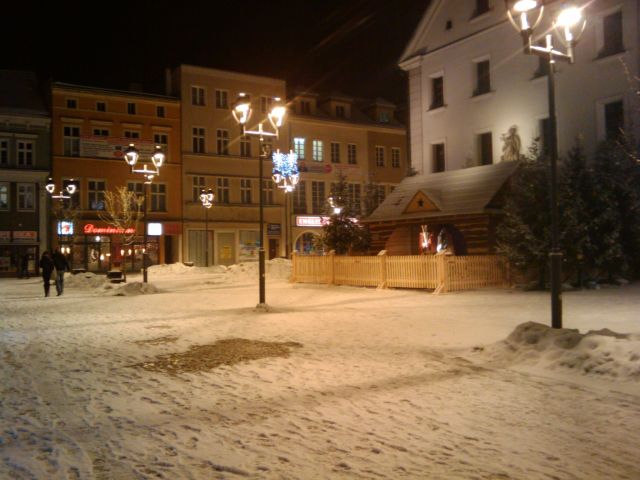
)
(456, 192)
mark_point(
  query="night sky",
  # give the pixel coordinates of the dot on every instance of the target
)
(347, 46)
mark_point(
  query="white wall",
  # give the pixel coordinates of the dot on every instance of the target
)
(516, 98)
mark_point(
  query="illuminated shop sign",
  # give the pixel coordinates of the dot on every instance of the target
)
(65, 228)
(91, 229)
(311, 221)
(154, 229)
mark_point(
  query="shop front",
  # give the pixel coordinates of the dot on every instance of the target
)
(19, 250)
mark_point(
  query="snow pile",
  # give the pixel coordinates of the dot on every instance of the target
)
(277, 269)
(603, 353)
(182, 269)
(84, 280)
(130, 289)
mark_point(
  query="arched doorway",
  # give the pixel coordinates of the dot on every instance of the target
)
(305, 244)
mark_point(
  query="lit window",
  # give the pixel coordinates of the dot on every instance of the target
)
(4, 196)
(317, 150)
(298, 147)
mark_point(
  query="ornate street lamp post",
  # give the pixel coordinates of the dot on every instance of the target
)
(131, 156)
(525, 15)
(242, 114)
(65, 194)
(206, 198)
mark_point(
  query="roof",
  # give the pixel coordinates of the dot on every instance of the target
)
(456, 192)
(20, 94)
(108, 91)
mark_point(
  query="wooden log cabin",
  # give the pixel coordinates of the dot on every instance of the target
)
(463, 206)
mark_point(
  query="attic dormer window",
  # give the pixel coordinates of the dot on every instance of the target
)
(305, 107)
(482, 6)
(340, 111)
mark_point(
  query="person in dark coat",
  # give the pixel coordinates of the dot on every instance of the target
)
(46, 266)
(62, 265)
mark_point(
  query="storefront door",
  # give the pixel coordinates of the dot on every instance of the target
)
(226, 250)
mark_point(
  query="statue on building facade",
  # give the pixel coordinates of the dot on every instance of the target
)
(511, 145)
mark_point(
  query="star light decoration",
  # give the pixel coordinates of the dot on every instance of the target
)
(285, 171)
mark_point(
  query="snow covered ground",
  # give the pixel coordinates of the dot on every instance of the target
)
(386, 383)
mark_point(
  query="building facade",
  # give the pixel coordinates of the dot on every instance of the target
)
(25, 129)
(91, 128)
(470, 82)
(328, 133)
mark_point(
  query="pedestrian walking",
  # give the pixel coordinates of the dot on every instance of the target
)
(62, 265)
(46, 266)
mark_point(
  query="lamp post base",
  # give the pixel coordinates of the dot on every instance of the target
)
(262, 307)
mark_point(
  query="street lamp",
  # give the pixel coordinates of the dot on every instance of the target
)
(242, 112)
(525, 15)
(64, 194)
(131, 156)
(285, 175)
(206, 198)
(336, 204)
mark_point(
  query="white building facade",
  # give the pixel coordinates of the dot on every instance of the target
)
(470, 82)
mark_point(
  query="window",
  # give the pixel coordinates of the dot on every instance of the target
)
(222, 193)
(353, 192)
(611, 35)
(245, 190)
(100, 132)
(198, 139)
(383, 117)
(335, 152)
(437, 152)
(158, 197)
(26, 197)
(134, 134)
(71, 141)
(222, 137)
(305, 107)
(267, 146)
(268, 189)
(265, 104)
(222, 99)
(101, 106)
(95, 191)
(72, 103)
(340, 111)
(160, 113)
(25, 153)
(4, 196)
(317, 151)
(4, 151)
(300, 198)
(613, 119)
(317, 198)
(379, 156)
(245, 146)
(162, 139)
(131, 108)
(485, 148)
(483, 78)
(136, 187)
(437, 92)
(198, 96)
(395, 157)
(298, 147)
(482, 6)
(351, 154)
(198, 183)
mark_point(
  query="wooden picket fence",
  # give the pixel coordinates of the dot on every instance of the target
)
(441, 273)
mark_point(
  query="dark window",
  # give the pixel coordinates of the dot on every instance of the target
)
(612, 35)
(449, 25)
(131, 108)
(300, 198)
(339, 111)
(72, 103)
(438, 157)
(483, 78)
(305, 107)
(614, 119)
(437, 93)
(482, 6)
(160, 111)
(101, 106)
(486, 148)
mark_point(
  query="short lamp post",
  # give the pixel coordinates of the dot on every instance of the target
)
(206, 198)
(242, 112)
(285, 175)
(64, 194)
(157, 158)
(525, 15)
